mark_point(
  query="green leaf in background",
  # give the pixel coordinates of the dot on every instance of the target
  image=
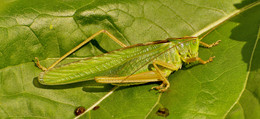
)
(48, 29)
(248, 106)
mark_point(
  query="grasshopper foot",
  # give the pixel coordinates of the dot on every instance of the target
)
(37, 62)
(216, 43)
(213, 44)
(204, 62)
(162, 88)
(209, 60)
(209, 45)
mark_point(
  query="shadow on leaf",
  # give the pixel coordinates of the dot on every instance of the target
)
(247, 31)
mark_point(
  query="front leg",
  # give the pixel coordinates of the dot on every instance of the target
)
(209, 45)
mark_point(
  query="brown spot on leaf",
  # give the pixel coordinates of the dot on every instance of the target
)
(79, 110)
(96, 107)
(163, 112)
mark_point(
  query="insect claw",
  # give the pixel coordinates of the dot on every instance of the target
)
(217, 42)
(156, 87)
(205, 62)
(209, 45)
(211, 59)
(161, 88)
(37, 62)
(214, 44)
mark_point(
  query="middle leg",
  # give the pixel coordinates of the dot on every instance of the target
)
(200, 60)
(165, 84)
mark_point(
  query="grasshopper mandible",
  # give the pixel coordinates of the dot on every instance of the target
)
(151, 62)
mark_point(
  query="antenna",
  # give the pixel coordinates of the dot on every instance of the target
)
(207, 33)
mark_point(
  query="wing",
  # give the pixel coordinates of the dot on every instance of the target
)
(117, 63)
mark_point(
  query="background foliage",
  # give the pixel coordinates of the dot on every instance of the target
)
(49, 28)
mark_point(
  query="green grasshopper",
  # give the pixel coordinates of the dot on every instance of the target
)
(151, 62)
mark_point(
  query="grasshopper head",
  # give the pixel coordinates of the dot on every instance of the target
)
(188, 48)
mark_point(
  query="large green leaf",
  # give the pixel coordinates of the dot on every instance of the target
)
(248, 106)
(48, 29)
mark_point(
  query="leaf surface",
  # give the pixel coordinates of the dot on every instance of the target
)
(49, 29)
